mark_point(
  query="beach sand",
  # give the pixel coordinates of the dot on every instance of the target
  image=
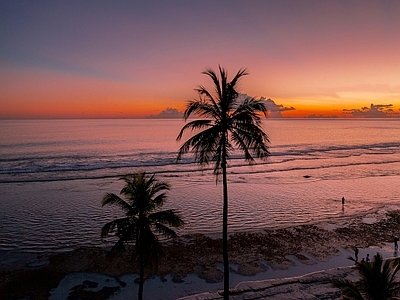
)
(193, 263)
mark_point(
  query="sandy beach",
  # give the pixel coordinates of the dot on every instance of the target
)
(193, 263)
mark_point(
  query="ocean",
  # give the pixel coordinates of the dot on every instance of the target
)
(54, 173)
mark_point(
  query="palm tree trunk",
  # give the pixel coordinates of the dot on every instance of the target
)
(141, 276)
(225, 227)
(139, 243)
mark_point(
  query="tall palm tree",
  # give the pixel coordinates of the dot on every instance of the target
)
(143, 220)
(377, 282)
(227, 122)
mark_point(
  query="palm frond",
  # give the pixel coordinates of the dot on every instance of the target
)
(194, 125)
(391, 269)
(251, 139)
(210, 72)
(207, 105)
(118, 247)
(112, 199)
(126, 235)
(118, 225)
(377, 280)
(159, 200)
(205, 108)
(242, 72)
(107, 228)
(169, 217)
(165, 230)
(241, 144)
(218, 158)
(203, 145)
(156, 188)
(349, 289)
(253, 106)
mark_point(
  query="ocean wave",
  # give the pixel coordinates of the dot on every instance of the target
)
(62, 166)
(185, 171)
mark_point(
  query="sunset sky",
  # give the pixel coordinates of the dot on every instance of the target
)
(138, 58)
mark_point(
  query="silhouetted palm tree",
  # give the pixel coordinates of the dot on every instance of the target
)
(143, 219)
(377, 282)
(228, 122)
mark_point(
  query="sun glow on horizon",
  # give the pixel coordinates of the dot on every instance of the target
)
(132, 60)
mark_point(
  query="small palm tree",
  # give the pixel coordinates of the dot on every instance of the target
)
(378, 281)
(228, 122)
(143, 220)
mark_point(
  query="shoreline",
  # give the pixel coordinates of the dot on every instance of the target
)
(196, 259)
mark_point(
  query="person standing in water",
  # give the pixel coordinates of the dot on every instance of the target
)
(342, 200)
(356, 253)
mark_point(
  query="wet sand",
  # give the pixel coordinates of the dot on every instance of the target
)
(251, 252)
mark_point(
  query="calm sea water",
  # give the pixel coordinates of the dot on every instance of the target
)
(53, 174)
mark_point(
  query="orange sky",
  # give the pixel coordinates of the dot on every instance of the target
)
(103, 59)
